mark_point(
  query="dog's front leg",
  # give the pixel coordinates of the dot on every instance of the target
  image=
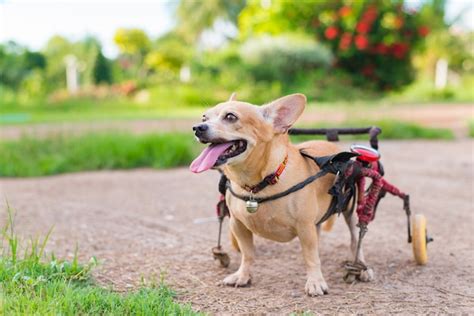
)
(245, 240)
(315, 285)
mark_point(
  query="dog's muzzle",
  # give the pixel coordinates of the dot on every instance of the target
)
(200, 130)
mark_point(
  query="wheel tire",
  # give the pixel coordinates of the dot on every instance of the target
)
(419, 241)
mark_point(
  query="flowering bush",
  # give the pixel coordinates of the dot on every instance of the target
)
(372, 39)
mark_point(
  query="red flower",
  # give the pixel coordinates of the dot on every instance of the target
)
(423, 31)
(363, 27)
(331, 32)
(408, 33)
(370, 14)
(361, 42)
(368, 70)
(381, 49)
(345, 42)
(345, 11)
(399, 50)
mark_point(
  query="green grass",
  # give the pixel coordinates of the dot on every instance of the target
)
(92, 110)
(471, 128)
(31, 285)
(28, 156)
(59, 154)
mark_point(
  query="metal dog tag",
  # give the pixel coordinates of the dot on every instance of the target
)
(251, 206)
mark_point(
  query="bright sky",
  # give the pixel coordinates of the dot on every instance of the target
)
(32, 22)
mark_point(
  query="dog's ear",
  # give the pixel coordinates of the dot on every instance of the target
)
(284, 112)
(233, 97)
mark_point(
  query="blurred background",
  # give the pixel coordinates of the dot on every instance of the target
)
(74, 68)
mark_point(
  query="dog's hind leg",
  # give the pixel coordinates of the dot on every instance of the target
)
(244, 238)
(329, 223)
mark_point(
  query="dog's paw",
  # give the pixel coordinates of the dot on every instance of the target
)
(237, 279)
(367, 275)
(316, 287)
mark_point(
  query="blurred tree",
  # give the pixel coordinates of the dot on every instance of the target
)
(56, 50)
(132, 41)
(169, 53)
(102, 72)
(281, 58)
(134, 44)
(17, 63)
(196, 16)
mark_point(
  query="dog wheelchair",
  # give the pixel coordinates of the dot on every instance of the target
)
(349, 192)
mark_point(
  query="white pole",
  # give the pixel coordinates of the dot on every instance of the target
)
(441, 74)
(72, 79)
(185, 74)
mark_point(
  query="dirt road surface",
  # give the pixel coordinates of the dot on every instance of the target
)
(141, 223)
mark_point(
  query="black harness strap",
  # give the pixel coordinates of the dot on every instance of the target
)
(294, 188)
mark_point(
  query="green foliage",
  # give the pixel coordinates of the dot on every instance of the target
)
(221, 73)
(132, 41)
(456, 50)
(169, 53)
(471, 128)
(424, 90)
(60, 154)
(330, 85)
(280, 58)
(134, 44)
(102, 72)
(404, 130)
(31, 285)
(17, 63)
(194, 17)
(58, 49)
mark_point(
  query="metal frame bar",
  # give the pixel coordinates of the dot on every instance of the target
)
(332, 134)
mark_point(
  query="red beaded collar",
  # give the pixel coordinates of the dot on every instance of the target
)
(268, 180)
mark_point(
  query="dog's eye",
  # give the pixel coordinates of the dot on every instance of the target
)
(230, 117)
(204, 118)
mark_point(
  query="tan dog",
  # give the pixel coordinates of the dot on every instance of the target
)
(248, 143)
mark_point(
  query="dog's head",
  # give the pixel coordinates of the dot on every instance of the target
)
(234, 129)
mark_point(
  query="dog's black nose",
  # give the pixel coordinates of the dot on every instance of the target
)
(201, 128)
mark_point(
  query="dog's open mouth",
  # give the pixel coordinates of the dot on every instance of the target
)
(217, 154)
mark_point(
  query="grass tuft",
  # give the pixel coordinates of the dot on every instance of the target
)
(31, 285)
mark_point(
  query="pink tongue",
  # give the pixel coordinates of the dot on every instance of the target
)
(207, 159)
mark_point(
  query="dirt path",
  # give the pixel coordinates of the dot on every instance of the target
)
(453, 116)
(141, 222)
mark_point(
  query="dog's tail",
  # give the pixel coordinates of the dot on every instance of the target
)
(233, 241)
(329, 223)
